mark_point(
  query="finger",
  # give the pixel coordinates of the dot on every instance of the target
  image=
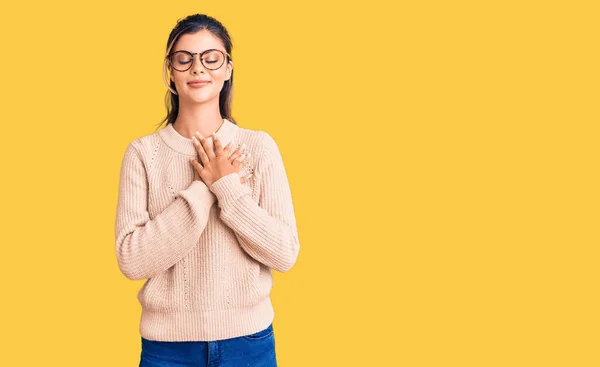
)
(230, 148)
(227, 149)
(197, 166)
(239, 160)
(244, 158)
(209, 146)
(200, 150)
(218, 146)
(241, 148)
(208, 150)
(236, 154)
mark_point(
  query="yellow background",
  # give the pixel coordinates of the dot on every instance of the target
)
(443, 159)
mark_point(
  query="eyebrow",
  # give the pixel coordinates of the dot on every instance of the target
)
(200, 51)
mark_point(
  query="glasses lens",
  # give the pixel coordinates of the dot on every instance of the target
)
(213, 59)
(181, 61)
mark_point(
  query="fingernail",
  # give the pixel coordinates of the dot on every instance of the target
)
(194, 140)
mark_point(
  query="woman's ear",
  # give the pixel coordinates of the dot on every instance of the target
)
(229, 69)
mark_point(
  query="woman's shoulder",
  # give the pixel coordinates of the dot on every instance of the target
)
(141, 150)
(145, 144)
(249, 135)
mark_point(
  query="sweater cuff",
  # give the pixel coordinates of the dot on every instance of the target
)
(229, 187)
(198, 192)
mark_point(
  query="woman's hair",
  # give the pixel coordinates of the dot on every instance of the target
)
(193, 24)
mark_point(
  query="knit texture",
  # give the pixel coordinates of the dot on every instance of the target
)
(207, 252)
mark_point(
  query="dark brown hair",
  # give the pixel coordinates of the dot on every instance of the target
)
(192, 24)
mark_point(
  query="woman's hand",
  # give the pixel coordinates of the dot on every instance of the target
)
(216, 162)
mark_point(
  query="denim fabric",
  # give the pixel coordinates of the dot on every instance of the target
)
(254, 350)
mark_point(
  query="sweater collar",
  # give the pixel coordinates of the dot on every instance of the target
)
(183, 145)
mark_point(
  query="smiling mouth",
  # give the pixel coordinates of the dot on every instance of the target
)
(198, 85)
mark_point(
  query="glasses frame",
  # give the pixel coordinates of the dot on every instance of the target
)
(226, 57)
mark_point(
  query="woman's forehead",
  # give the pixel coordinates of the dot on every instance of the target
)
(198, 42)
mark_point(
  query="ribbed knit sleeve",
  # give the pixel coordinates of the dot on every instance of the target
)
(146, 247)
(266, 230)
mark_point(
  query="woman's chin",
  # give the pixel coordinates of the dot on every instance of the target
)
(199, 98)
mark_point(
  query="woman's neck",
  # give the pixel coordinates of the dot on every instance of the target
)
(203, 118)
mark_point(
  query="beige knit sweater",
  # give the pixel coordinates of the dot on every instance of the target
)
(207, 252)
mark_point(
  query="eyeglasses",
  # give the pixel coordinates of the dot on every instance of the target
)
(212, 59)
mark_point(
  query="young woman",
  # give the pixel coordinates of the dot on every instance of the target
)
(204, 214)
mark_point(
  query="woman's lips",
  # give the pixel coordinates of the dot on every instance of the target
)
(197, 84)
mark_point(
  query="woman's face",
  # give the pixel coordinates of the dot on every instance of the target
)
(199, 42)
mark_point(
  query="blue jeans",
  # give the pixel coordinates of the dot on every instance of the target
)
(255, 350)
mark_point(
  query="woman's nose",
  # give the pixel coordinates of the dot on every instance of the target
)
(197, 64)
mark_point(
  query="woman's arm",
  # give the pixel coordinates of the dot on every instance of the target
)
(146, 247)
(267, 230)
